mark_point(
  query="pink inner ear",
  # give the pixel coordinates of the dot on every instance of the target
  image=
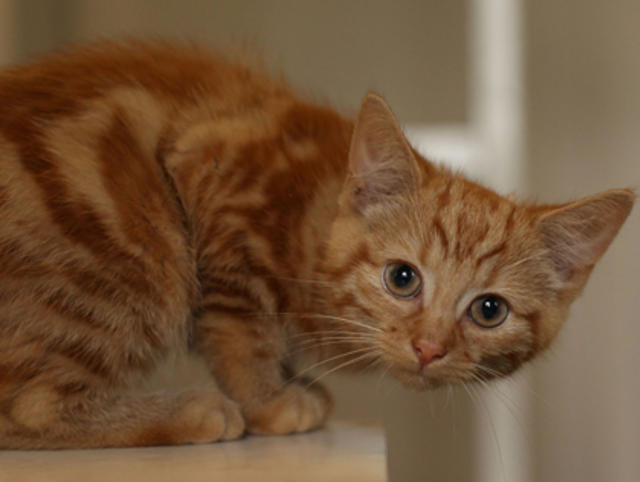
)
(579, 233)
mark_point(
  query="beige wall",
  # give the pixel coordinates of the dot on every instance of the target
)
(584, 136)
(7, 32)
(413, 51)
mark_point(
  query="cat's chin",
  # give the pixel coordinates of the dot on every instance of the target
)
(418, 380)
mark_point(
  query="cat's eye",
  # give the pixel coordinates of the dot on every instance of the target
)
(401, 280)
(488, 311)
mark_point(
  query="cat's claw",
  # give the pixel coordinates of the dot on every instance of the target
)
(295, 408)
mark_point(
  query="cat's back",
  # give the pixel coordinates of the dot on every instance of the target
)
(63, 82)
(81, 130)
(72, 109)
(96, 222)
(79, 139)
(91, 230)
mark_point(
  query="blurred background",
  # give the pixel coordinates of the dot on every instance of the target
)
(536, 97)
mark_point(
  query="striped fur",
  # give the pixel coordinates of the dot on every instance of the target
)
(158, 201)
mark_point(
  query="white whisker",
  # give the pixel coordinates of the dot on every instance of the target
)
(328, 360)
(319, 333)
(343, 365)
(329, 340)
(344, 320)
(317, 315)
(309, 345)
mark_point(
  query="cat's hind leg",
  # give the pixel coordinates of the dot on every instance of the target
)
(41, 416)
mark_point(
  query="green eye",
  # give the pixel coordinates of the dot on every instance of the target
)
(488, 311)
(401, 280)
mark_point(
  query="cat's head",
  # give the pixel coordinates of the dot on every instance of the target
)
(443, 279)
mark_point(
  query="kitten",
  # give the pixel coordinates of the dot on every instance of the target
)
(157, 201)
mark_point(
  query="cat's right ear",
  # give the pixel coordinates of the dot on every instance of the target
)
(577, 234)
(381, 163)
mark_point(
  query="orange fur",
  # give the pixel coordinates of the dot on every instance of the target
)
(157, 200)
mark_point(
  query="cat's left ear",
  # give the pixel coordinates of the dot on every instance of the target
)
(381, 163)
(577, 234)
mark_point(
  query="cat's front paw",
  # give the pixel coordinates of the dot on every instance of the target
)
(208, 417)
(294, 408)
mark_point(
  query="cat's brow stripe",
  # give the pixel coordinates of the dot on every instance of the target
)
(482, 235)
(510, 221)
(441, 234)
(491, 253)
(444, 197)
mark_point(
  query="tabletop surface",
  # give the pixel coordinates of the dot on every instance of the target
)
(342, 452)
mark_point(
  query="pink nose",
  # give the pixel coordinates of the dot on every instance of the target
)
(427, 351)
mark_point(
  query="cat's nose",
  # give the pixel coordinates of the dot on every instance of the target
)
(427, 351)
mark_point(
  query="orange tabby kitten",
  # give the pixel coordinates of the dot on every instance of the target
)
(157, 202)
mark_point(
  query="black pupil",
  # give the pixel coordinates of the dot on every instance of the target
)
(402, 276)
(490, 307)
